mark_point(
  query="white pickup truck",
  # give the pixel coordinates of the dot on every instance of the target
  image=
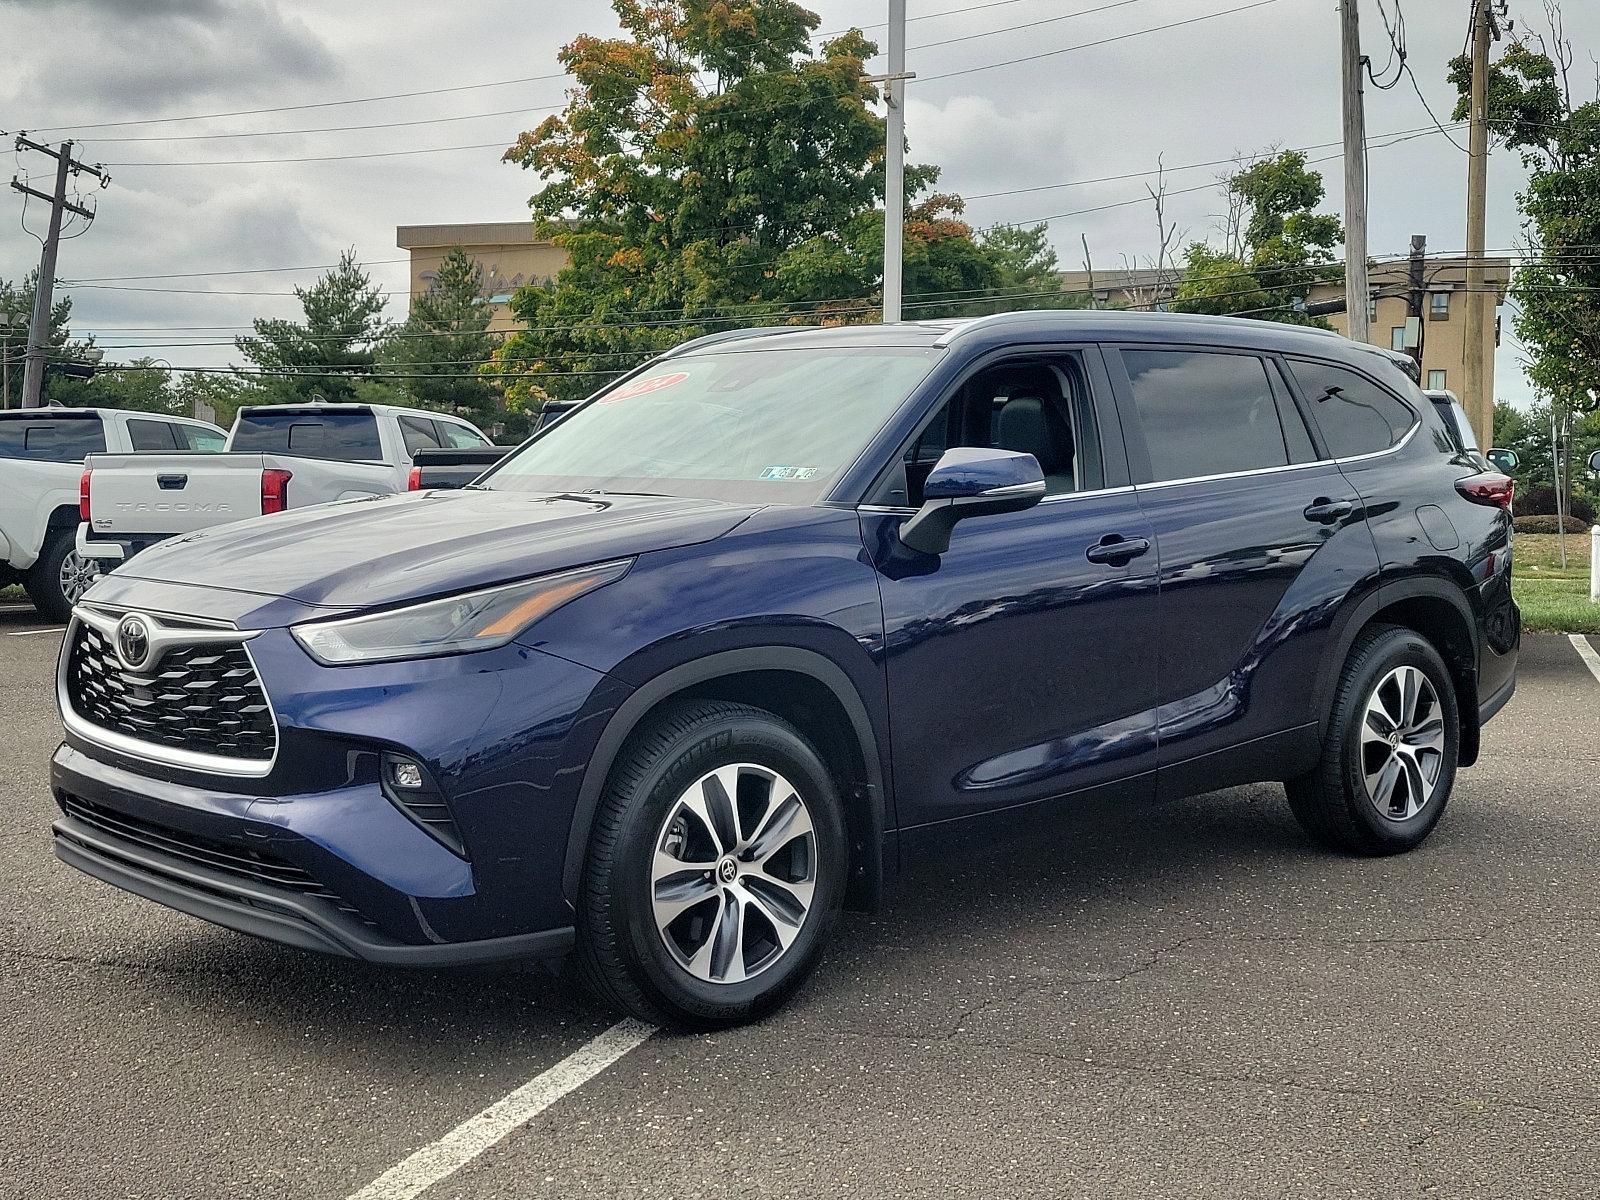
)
(41, 468)
(278, 456)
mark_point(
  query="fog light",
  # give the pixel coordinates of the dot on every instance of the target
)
(404, 773)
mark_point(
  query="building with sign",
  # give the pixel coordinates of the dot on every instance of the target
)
(509, 253)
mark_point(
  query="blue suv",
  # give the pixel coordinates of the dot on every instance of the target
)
(713, 655)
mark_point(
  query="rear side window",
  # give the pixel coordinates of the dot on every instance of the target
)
(419, 434)
(1205, 413)
(52, 439)
(1356, 416)
(337, 436)
(150, 435)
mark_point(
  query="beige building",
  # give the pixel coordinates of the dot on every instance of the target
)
(510, 255)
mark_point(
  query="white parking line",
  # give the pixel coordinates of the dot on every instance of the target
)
(1586, 652)
(472, 1137)
(31, 632)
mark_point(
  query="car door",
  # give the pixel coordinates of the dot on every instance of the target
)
(1259, 537)
(1020, 664)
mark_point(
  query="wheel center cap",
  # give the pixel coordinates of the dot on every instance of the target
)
(1394, 740)
(727, 871)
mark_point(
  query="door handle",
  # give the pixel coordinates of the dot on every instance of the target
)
(172, 483)
(1326, 512)
(1116, 550)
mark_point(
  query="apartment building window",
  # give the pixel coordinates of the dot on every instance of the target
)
(1372, 310)
(1397, 338)
(1439, 306)
(1436, 381)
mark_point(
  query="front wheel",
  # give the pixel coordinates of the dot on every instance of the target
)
(715, 871)
(61, 576)
(1389, 754)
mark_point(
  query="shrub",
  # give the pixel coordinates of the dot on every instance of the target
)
(1546, 523)
(1540, 501)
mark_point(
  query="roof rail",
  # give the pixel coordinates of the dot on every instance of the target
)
(733, 335)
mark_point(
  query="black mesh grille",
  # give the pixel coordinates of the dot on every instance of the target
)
(252, 864)
(205, 698)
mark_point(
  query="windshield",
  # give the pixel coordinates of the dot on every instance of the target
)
(750, 425)
(341, 436)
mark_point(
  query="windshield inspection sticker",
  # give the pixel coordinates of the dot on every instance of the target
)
(788, 473)
(643, 387)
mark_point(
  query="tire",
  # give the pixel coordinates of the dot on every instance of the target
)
(1343, 802)
(60, 577)
(723, 959)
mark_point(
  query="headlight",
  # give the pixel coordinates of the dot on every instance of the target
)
(473, 621)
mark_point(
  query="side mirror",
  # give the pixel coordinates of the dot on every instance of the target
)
(1504, 461)
(971, 482)
(1594, 462)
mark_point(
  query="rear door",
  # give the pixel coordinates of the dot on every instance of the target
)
(1259, 538)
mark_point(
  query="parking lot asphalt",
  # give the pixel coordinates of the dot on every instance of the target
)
(1193, 1002)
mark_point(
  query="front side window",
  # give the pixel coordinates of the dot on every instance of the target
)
(335, 436)
(198, 437)
(461, 437)
(54, 438)
(1356, 416)
(749, 424)
(1205, 413)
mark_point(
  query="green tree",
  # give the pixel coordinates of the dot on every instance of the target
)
(1277, 246)
(711, 169)
(1532, 108)
(324, 355)
(437, 353)
(16, 311)
(141, 385)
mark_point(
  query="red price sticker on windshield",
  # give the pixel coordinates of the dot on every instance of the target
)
(643, 387)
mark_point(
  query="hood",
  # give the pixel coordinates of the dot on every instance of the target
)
(389, 549)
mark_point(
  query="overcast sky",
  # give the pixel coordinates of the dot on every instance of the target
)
(1241, 82)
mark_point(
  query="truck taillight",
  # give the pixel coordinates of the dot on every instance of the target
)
(83, 496)
(414, 480)
(1488, 488)
(274, 490)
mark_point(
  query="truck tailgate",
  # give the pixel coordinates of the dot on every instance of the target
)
(172, 493)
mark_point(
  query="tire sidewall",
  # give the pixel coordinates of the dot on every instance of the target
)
(1395, 649)
(44, 577)
(736, 739)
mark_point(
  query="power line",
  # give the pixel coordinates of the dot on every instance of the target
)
(261, 133)
(381, 262)
(1122, 37)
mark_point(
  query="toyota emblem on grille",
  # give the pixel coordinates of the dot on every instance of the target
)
(133, 641)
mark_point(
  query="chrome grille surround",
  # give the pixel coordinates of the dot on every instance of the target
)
(194, 700)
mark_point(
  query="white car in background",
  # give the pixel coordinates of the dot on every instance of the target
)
(41, 471)
(278, 457)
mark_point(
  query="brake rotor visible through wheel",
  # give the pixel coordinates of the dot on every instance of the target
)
(1402, 743)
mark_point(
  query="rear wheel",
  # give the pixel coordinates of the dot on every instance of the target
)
(61, 576)
(715, 871)
(1389, 755)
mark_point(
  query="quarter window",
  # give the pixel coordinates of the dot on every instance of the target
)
(1205, 413)
(419, 434)
(1355, 415)
(150, 435)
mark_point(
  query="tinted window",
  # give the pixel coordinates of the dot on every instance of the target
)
(459, 437)
(419, 434)
(341, 436)
(198, 437)
(150, 435)
(1355, 415)
(1204, 413)
(51, 439)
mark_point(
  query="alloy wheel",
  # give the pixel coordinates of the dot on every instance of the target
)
(733, 873)
(78, 575)
(1402, 743)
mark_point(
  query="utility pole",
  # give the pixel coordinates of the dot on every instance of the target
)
(44, 292)
(1355, 175)
(1416, 292)
(1475, 392)
(894, 161)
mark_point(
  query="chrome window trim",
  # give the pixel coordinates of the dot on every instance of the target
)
(903, 509)
(167, 756)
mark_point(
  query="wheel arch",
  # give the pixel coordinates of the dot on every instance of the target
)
(1435, 608)
(802, 686)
